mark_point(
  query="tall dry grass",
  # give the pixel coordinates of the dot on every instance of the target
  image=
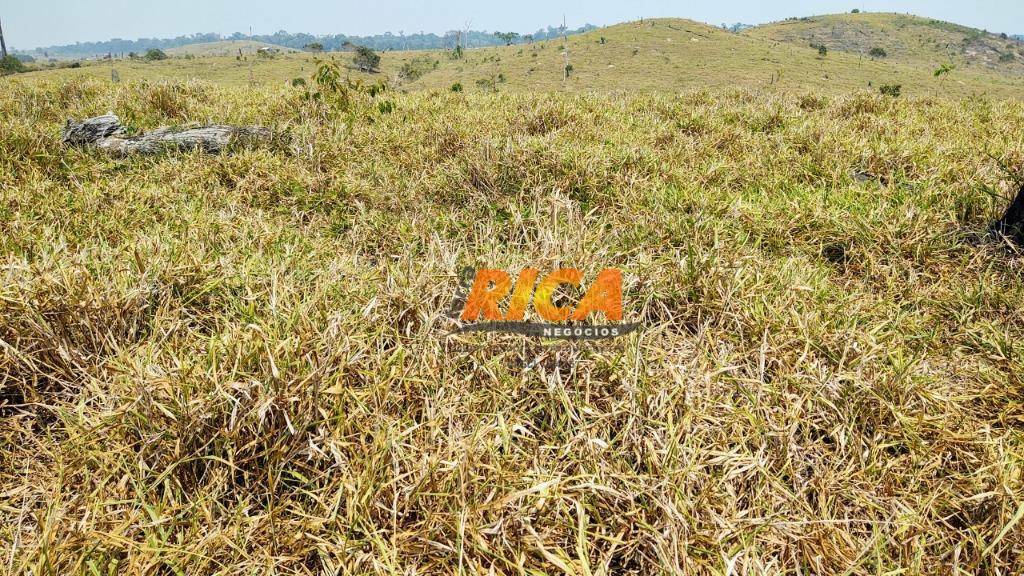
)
(243, 364)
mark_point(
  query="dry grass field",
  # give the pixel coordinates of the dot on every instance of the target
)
(244, 364)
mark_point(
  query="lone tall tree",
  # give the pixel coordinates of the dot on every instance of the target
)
(3, 45)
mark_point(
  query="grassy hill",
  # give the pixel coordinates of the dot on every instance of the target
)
(674, 54)
(912, 40)
(667, 55)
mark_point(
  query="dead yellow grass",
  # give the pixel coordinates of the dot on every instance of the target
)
(242, 364)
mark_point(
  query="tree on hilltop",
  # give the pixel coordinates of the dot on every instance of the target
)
(366, 59)
(508, 37)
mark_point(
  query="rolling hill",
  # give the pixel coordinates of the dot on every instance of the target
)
(676, 54)
(906, 39)
(660, 55)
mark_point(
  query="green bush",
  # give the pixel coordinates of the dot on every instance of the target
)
(893, 90)
(417, 68)
(10, 65)
(878, 52)
(154, 54)
(366, 59)
(457, 87)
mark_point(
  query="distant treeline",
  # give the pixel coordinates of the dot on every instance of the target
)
(387, 41)
(736, 28)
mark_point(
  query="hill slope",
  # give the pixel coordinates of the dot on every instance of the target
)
(663, 55)
(905, 39)
(675, 54)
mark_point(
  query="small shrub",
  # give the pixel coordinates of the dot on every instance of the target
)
(1007, 57)
(891, 90)
(10, 65)
(385, 106)
(568, 70)
(822, 50)
(878, 52)
(330, 89)
(417, 68)
(154, 54)
(298, 82)
(457, 87)
(366, 60)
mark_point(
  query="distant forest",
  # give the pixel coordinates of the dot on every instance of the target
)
(382, 42)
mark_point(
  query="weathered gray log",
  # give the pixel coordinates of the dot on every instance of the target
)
(92, 130)
(107, 133)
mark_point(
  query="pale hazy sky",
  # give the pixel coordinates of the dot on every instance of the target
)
(32, 23)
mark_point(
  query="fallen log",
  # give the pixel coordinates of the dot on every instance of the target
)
(108, 134)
